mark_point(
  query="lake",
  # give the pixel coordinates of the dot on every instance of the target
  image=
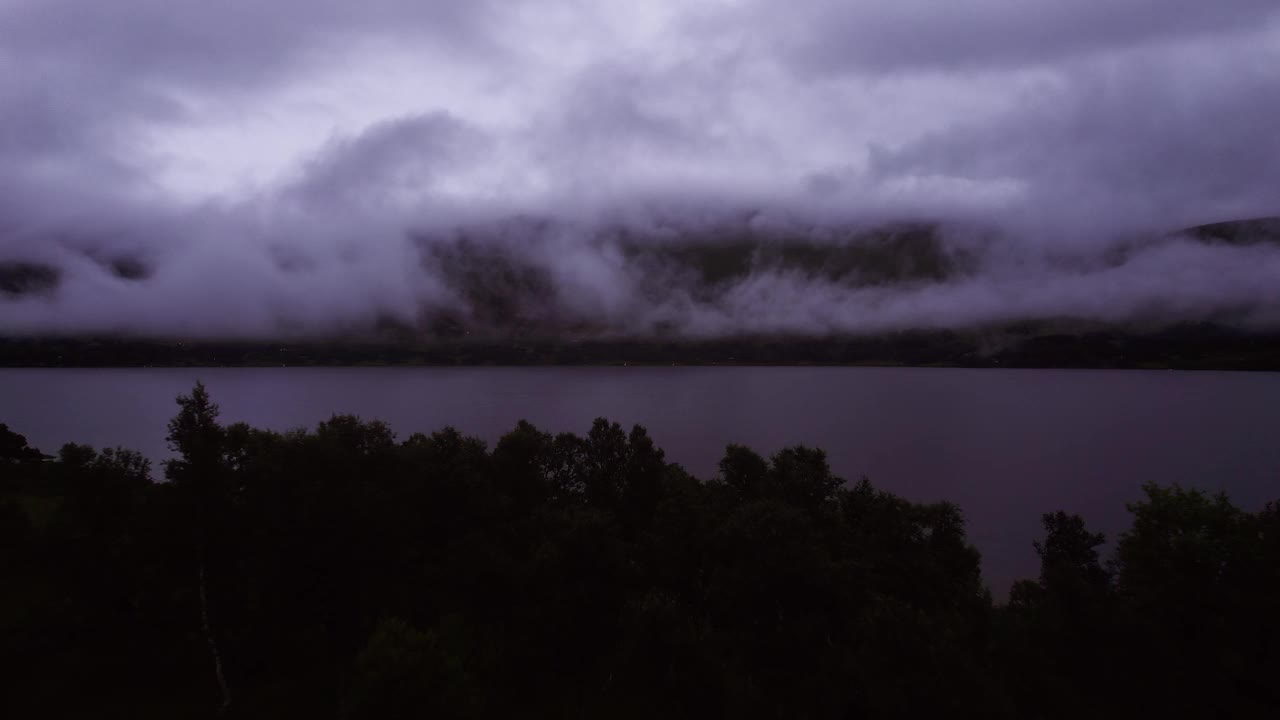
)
(1006, 445)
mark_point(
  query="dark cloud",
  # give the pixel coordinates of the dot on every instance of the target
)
(238, 42)
(906, 35)
(1160, 141)
(402, 156)
(570, 169)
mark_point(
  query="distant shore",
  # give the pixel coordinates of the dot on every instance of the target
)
(1188, 347)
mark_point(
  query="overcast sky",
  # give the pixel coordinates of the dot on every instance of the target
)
(199, 134)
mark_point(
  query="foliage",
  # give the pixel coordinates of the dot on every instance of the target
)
(344, 572)
(14, 448)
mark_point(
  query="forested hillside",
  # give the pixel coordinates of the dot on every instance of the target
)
(530, 289)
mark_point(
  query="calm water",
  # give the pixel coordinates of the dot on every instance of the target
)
(1004, 444)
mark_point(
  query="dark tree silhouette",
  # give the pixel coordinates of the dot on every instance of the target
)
(342, 572)
(14, 448)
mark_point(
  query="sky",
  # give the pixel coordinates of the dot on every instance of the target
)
(293, 167)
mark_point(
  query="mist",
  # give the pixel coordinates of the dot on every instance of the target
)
(689, 170)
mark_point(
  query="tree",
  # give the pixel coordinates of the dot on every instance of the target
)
(1062, 641)
(1184, 573)
(522, 465)
(336, 571)
(799, 476)
(198, 472)
(404, 674)
(1069, 561)
(802, 476)
(195, 435)
(744, 472)
(14, 447)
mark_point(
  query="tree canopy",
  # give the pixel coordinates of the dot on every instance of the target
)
(343, 572)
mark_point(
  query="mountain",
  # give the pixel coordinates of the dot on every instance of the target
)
(504, 284)
(1239, 232)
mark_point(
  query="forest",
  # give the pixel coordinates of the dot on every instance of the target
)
(342, 572)
(1062, 344)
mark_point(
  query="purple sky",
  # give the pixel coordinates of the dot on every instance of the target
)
(275, 165)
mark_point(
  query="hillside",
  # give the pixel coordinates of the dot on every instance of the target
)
(719, 293)
(1187, 347)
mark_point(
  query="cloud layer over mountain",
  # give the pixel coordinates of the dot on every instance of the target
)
(257, 169)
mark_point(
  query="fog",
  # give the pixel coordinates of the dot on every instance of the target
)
(596, 169)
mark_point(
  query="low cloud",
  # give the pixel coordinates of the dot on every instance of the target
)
(677, 170)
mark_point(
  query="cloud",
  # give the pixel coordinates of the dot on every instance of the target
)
(229, 44)
(322, 167)
(1160, 139)
(968, 35)
(406, 158)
